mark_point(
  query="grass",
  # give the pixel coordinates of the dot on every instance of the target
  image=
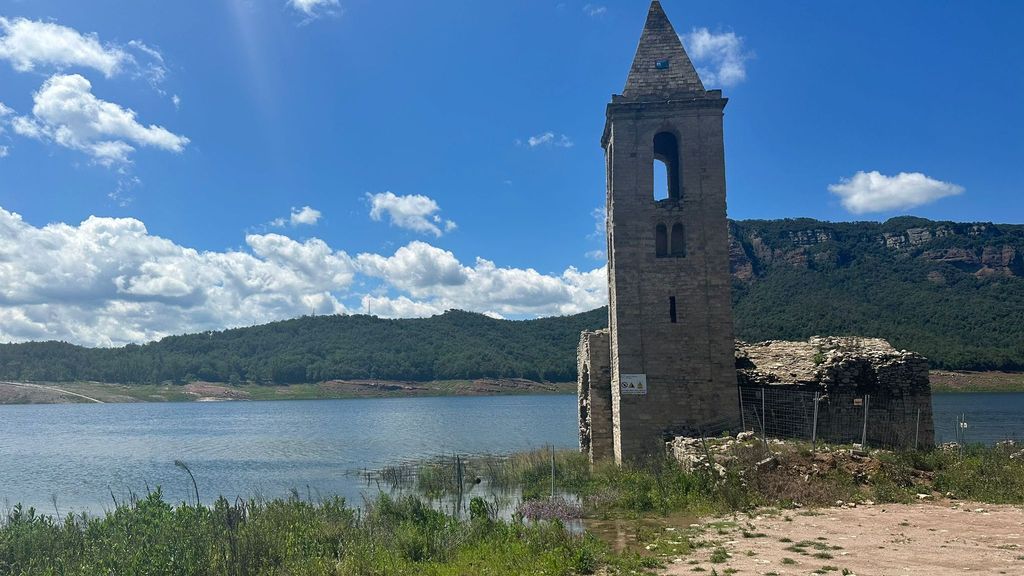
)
(395, 536)
(403, 535)
(661, 487)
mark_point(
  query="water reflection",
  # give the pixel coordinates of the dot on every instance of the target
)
(630, 535)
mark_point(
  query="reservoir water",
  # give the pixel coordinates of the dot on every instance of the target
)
(82, 454)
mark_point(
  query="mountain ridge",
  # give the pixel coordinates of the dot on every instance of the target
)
(951, 291)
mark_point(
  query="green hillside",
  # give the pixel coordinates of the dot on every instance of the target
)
(454, 345)
(952, 291)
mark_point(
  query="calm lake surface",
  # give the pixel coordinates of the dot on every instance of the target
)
(80, 453)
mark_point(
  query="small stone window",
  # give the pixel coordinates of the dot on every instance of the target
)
(666, 167)
(672, 309)
(678, 241)
(661, 241)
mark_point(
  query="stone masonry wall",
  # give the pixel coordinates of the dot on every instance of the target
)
(847, 373)
(686, 358)
(778, 381)
(595, 395)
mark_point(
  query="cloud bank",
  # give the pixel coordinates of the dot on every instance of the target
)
(108, 281)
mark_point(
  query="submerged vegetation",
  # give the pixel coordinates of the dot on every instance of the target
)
(412, 532)
(742, 477)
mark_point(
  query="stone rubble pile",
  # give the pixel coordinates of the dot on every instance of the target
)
(830, 361)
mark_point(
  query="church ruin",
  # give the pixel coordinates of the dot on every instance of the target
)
(667, 365)
(670, 344)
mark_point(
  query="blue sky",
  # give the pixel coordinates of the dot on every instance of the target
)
(310, 156)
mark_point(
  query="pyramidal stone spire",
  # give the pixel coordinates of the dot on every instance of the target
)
(661, 67)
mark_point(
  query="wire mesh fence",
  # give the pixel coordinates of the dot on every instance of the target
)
(837, 418)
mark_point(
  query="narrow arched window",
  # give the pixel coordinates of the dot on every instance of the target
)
(666, 167)
(678, 240)
(661, 241)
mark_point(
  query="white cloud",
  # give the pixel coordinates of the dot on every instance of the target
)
(28, 44)
(26, 127)
(65, 111)
(4, 151)
(548, 139)
(414, 212)
(108, 281)
(176, 100)
(401, 307)
(5, 111)
(121, 195)
(417, 268)
(597, 255)
(314, 8)
(595, 10)
(155, 70)
(436, 280)
(304, 216)
(600, 216)
(720, 58)
(875, 192)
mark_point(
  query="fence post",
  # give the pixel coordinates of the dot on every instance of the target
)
(814, 427)
(764, 433)
(743, 417)
(764, 413)
(864, 434)
(552, 471)
(917, 429)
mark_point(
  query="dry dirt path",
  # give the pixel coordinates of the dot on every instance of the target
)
(877, 540)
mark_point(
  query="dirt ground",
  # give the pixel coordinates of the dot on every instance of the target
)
(19, 393)
(932, 539)
(945, 381)
(55, 393)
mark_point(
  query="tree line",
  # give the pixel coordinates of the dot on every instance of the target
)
(808, 278)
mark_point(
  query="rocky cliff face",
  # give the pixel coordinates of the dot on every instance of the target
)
(981, 249)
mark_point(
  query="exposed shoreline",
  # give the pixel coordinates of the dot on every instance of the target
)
(103, 393)
(943, 381)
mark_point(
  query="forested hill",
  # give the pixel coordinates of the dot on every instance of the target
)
(952, 291)
(454, 345)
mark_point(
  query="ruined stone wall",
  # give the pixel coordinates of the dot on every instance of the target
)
(847, 373)
(595, 395)
(778, 382)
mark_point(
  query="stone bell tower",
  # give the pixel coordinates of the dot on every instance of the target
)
(672, 363)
